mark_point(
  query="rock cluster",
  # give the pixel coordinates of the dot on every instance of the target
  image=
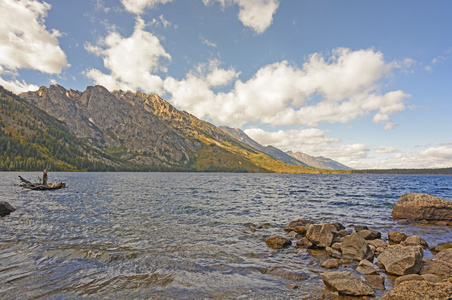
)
(362, 256)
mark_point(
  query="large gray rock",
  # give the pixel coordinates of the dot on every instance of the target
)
(416, 206)
(395, 237)
(445, 257)
(402, 260)
(355, 247)
(436, 268)
(346, 283)
(322, 235)
(420, 290)
(6, 208)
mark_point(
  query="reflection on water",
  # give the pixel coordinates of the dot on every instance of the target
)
(184, 235)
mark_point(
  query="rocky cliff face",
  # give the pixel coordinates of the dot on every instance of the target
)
(141, 128)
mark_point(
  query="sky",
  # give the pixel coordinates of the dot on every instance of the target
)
(366, 83)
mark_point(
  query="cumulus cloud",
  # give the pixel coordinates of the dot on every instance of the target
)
(132, 61)
(25, 42)
(256, 14)
(306, 140)
(138, 6)
(335, 89)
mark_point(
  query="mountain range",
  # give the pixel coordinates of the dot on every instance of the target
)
(121, 131)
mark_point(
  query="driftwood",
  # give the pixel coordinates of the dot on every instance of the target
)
(39, 186)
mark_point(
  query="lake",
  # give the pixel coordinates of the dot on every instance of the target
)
(185, 235)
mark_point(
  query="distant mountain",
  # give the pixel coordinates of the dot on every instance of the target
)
(296, 159)
(318, 162)
(270, 150)
(137, 131)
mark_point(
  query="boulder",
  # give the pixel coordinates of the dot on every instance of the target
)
(358, 228)
(347, 284)
(365, 267)
(305, 243)
(6, 208)
(417, 207)
(441, 247)
(354, 247)
(322, 235)
(445, 257)
(431, 278)
(395, 237)
(414, 240)
(330, 264)
(436, 268)
(376, 281)
(333, 253)
(410, 277)
(420, 290)
(402, 260)
(369, 234)
(278, 242)
(378, 243)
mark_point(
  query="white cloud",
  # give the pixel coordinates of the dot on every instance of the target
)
(138, 6)
(336, 89)
(385, 149)
(256, 14)
(131, 60)
(25, 42)
(306, 140)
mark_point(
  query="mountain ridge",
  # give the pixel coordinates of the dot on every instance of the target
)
(145, 130)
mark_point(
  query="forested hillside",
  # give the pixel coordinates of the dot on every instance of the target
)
(30, 139)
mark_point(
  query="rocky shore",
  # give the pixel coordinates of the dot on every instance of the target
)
(362, 263)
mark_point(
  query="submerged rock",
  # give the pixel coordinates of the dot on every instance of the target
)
(287, 273)
(416, 207)
(402, 260)
(278, 242)
(347, 284)
(6, 208)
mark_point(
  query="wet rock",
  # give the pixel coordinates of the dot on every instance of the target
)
(410, 277)
(347, 284)
(330, 264)
(376, 281)
(6, 208)
(287, 273)
(369, 234)
(418, 207)
(436, 268)
(395, 237)
(414, 240)
(402, 260)
(305, 243)
(420, 290)
(278, 242)
(354, 247)
(321, 235)
(338, 226)
(293, 234)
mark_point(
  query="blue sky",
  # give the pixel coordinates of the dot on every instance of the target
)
(367, 83)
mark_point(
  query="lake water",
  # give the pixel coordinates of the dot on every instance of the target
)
(184, 235)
